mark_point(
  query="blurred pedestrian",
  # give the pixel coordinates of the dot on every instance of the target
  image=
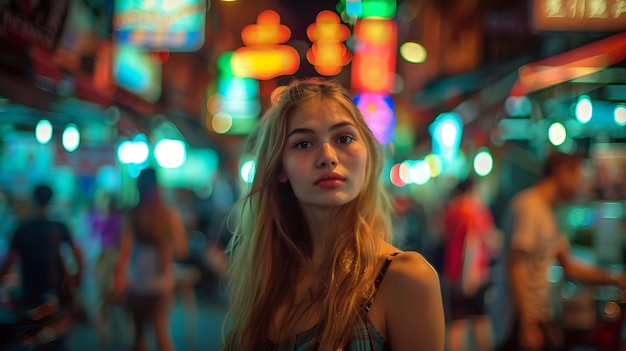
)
(536, 244)
(472, 242)
(105, 223)
(8, 222)
(409, 224)
(311, 267)
(153, 237)
(38, 246)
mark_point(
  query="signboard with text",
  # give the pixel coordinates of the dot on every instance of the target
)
(579, 15)
(175, 25)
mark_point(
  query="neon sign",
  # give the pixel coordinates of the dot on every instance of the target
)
(176, 25)
(328, 53)
(264, 57)
(374, 60)
(135, 71)
(377, 109)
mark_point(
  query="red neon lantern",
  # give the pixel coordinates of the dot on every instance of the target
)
(328, 53)
(263, 57)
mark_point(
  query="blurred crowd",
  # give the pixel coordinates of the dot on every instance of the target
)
(468, 238)
(107, 265)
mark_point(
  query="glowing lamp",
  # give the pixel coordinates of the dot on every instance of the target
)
(557, 133)
(263, 57)
(446, 132)
(265, 65)
(379, 8)
(354, 8)
(584, 109)
(394, 176)
(374, 61)
(43, 131)
(170, 153)
(71, 138)
(235, 106)
(619, 114)
(266, 31)
(483, 163)
(134, 71)
(378, 111)
(328, 53)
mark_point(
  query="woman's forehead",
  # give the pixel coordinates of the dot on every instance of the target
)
(313, 110)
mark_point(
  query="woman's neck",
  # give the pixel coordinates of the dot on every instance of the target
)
(322, 231)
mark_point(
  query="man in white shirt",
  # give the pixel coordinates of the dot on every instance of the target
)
(536, 244)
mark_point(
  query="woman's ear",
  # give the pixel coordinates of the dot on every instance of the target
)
(282, 177)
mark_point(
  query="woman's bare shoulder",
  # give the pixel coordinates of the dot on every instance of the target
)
(413, 305)
(407, 265)
(412, 269)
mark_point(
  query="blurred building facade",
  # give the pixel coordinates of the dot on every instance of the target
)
(57, 62)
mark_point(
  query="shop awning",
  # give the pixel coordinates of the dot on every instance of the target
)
(436, 94)
(582, 61)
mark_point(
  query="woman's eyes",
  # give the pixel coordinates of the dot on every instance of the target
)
(302, 145)
(344, 139)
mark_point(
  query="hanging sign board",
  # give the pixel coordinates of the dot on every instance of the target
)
(174, 25)
(579, 15)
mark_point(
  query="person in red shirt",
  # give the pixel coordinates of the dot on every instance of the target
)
(471, 242)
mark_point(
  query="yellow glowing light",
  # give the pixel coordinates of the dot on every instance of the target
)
(373, 66)
(265, 64)
(377, 31)
(267, 30)
(413, 52)
(263, 58)
(215, 103)
(434, 162)
(328, 53)
(222, 122)
(404, 172)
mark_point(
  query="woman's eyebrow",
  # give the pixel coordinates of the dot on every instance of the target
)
(300, 131)
(311, 131)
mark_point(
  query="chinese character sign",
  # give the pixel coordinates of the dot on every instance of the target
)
(579, 15)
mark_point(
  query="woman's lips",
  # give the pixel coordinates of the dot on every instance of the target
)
(330, 180)
(330, 183)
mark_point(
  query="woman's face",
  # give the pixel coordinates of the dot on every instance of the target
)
(325, 156)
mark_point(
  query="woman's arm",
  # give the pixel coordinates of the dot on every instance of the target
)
(125, 249)
(413, 305)
(179, 235)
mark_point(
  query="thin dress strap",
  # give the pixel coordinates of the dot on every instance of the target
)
(379, 280)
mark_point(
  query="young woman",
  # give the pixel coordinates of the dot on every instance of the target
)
(310, 265)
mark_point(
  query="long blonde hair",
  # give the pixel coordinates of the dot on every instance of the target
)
(271, 241)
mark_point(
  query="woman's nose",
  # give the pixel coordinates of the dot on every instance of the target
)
(327, 156)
